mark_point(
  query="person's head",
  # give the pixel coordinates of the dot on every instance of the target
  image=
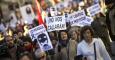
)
(87, 33)
(63, 35)
(27, 43)
(40, 55)
(54, 41)
(75, 5)
(25, 56)
(52, 34)
(109, 3)
(73, 30)
(20, 34)
(74, 35)
(9, 40)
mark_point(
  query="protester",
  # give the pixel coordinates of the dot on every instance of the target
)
(12, 48)
(40, 55)
(66, 49)
(101, 31)
(15, 43)
(28, 46)
(94, 47)
(110, 16)
(54, 40)
(74, 33)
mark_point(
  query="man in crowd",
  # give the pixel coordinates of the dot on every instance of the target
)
(110, 18)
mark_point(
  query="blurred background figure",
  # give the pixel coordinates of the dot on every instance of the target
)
(66, 48)
(101, 30)
(110, 16)
(40, 55)
(25, 56)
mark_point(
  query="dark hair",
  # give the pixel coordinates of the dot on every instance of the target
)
(28, 10)
(59, 34)
(27, 39)
(55, 34)
(26, 54)
(109, 1)
(86, 28)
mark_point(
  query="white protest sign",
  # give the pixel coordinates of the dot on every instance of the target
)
(94, 9)
(40, 34)
(56, 23)
(77, 17)
(13, 20)
(87, 21)
(27, 13)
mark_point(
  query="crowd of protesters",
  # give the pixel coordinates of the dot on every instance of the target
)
(76, 43)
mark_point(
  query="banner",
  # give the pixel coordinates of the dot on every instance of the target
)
(56, 23)
(77, 17)
(95, 9)
(40, 35)
(27, 14)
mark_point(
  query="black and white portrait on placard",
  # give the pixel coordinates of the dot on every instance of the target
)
(43, 40)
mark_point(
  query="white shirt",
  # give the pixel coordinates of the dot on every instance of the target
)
(87, 50)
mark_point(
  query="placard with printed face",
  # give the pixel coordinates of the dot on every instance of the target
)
(56, 23)
(94, 9)
(13, 20)
(40, 35)
(27, 14)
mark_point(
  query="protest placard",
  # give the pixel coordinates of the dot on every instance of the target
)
(56, 23)
(77, 17)
(87, 21)
(13, 20)
(40, 35)
(94, 9)
(27, 14)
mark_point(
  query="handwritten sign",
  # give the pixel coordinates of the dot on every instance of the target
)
(56, 23)
(94, 9)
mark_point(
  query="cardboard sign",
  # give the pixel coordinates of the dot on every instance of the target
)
(55, 23)
(77, 17)
(87, 21)
(27, 14)
(95, 9)
(40, 35)
(13, 20)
